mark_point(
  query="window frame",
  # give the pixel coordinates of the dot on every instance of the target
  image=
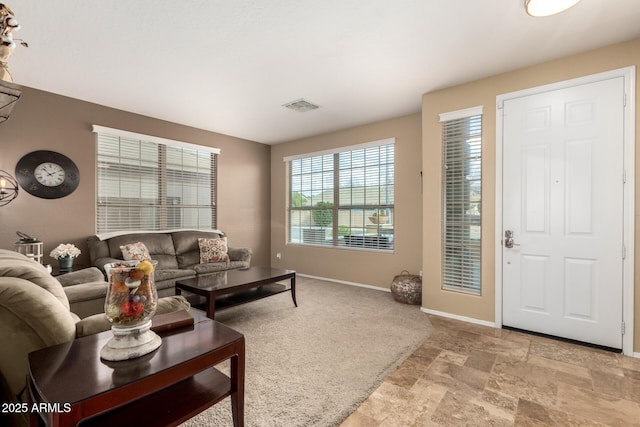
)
(461, 239)
(348, 222)
(193, 168)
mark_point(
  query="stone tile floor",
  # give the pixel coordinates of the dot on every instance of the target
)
(471, 375)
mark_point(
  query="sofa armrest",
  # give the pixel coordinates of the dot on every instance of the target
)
(101, 262)
(239, 254)
(86, 275)
(87, 291)
(92, 325)
(99, 322)
(172, 303)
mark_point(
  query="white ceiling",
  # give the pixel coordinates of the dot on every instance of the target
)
(229, 65)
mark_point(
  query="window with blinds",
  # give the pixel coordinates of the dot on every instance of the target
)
(343, 197)
(149, 183)
(462, 200)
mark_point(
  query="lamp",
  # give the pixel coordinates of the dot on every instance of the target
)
(8, 188)
(539, 8)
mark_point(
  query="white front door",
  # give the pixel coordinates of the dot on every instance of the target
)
(562, 189)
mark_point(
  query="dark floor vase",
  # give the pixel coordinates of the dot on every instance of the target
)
(407, 288)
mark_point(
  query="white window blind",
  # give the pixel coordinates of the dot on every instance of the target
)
(343, 197)
(462, 200)
(144, 183)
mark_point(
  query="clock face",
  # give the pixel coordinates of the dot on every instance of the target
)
(47, 174)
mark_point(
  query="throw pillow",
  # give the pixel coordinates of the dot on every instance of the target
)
(135, 251)
(213, 250)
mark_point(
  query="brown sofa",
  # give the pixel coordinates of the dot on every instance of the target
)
(177, 253)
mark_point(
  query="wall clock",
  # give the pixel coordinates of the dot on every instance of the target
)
(47, 174)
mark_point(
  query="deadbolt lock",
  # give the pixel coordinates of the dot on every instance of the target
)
(508, 239)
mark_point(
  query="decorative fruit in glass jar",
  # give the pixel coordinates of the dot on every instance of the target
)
(132, 297)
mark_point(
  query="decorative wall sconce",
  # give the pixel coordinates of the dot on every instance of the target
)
(8, 188)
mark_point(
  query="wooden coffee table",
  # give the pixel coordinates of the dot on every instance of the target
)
(229, 288)
(70, 383)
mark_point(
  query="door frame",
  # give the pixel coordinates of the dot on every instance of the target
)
(629, 75)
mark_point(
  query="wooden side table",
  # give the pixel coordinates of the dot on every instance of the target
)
(57, 271)
(69, 382)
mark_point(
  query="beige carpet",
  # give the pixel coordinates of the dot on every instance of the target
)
(313, 365)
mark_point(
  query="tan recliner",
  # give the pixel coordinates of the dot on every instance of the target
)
(34, 314)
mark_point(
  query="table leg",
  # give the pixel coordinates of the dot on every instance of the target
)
(293, 289)
(237, 386)
(211, 306)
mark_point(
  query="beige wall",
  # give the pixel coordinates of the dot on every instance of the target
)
(484, 92)
(45, 121)
(357, 266)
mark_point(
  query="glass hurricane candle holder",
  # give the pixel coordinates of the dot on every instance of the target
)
(131, 302)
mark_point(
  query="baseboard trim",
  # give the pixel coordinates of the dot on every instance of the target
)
(457, 317)
(344, 282)
(636, 355)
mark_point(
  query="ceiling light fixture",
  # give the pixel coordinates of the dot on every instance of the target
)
(8, 188)
(539, 8)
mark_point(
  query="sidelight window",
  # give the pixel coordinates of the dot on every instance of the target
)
(462, 200)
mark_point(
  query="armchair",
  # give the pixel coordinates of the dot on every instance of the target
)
(34, 313)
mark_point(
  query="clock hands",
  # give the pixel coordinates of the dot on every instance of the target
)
(52, 173)
(44, 168)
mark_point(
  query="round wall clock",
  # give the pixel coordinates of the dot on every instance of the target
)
(47, 174)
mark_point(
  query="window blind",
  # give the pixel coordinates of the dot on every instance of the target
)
(343, 197)
(462, 201)
(146, 185)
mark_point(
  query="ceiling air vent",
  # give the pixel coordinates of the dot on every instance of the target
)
(301, 105)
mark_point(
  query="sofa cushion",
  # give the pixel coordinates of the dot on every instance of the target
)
(98, 248)
(240, 254)
(135, 251)
(213, 250)
(160, 246)
(187, 248)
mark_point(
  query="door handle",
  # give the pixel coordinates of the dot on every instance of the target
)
(508, 239)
